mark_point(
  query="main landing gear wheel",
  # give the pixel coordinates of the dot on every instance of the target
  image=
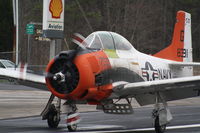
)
(72, 128)
(53, 118)
(158, 128)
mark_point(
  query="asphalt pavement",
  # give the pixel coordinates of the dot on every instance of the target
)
(186, 120)
(20, 108)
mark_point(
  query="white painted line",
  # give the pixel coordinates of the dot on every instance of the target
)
(133, 130)
(184, 126)
(99, 127)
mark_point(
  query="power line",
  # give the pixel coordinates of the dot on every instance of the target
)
(84, 15)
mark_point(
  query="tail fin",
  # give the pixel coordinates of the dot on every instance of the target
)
(181, 46)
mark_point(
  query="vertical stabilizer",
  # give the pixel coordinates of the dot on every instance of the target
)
(180, 48)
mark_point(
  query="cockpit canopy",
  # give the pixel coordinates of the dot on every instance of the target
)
(107, 40)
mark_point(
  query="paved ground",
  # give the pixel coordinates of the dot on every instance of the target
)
(18, 101)
(185, 117)
(21, 101)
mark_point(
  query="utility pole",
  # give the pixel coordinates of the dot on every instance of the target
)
(14, 28)
(17, 33)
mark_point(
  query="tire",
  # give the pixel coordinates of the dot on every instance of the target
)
(158, 128)
(52, 118)
(72, 128)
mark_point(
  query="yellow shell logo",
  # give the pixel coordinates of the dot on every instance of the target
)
(56, 8)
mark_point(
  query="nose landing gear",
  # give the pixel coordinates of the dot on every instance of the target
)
(52, 112)
(72, 118)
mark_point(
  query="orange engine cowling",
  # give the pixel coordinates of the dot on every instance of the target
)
(71, 75)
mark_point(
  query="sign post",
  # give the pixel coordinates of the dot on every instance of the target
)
(29, 30)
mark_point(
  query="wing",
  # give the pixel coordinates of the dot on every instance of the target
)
(172, 89)
(24, 78)
(181, 64)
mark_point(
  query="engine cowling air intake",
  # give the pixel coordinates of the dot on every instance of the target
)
(71, 75)
(65, 75)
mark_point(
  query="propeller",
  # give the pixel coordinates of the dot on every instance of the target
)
(78, 39)
(63, 73)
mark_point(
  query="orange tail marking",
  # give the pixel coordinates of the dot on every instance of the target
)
(174, 50)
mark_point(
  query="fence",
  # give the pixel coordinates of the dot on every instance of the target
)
(8, 55)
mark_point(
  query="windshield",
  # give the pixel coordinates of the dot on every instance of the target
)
(93, 41)
(121, 43)
(99, 40)
(87, 42)
(107, 40)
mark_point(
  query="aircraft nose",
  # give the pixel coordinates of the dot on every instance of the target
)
(62, 74)
(60, 77)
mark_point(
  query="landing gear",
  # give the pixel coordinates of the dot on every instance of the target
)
(72, 128)
(73, 117)
(53, 118)
(51, 113)
(158, 127)
(161, 114)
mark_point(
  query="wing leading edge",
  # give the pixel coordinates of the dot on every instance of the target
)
(24, 78)
(182, 64)
(172, 89)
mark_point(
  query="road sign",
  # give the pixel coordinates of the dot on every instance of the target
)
(30, 29)
(38, 35)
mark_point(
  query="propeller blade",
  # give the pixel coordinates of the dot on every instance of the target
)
(78, 39)
(48, 75)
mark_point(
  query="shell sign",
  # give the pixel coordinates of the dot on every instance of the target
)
(56, 8)
(53, 18)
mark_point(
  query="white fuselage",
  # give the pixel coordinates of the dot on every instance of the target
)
(146, 66)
